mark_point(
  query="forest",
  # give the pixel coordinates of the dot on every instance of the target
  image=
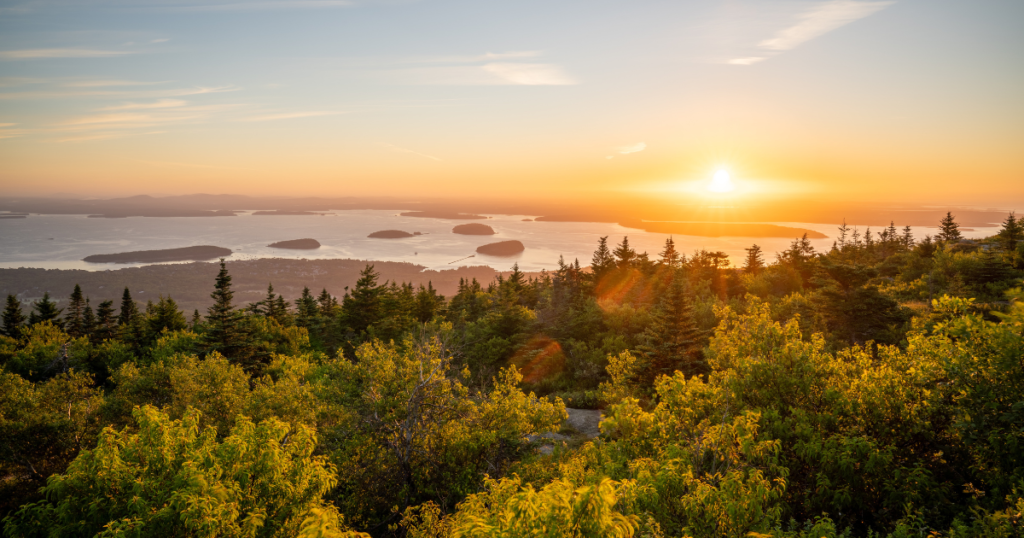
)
(872, 390)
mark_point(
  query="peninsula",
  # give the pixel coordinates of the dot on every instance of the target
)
(198, 253)
(473, 229)
(503, 248)
(297, 244)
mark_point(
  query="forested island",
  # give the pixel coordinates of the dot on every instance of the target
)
(873, 389)
(501, 248)
(473, 229)
(392, 234)
(198, 253)
(297, 244)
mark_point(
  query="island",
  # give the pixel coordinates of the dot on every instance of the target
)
(186, 254)
(503, 248)
(473, 229)
(392, 234)
(450, 215)
(297, 244)
(287, 212)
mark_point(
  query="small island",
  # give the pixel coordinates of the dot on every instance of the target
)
(286, 212)
(297, 244)
(186, 254)
(473, 229)
(503, 248)
(449, 215)
(391, 234)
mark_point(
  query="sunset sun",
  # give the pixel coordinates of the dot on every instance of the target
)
(721, 182)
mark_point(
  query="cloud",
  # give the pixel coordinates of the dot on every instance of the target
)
(270, 5)
(820, 20)
(163, 103)
(814, 22)
(746, 61)
(35, 54)
(7, 132)
(403, 150)
(161, 40)
(104, 83)
(631, 148)
(529, 74)
(292, 115)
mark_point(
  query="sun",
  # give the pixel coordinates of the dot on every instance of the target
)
(721, 182)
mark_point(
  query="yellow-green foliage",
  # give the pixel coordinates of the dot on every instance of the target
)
(47, 350)
(173, 478)
(417, 433)
(172, 343)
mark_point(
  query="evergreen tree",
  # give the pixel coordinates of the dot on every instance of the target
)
(602, 261)
(165, 316)
(106, 322)
(428, 302)
(624, 254)
(328, 304)
(949, 230)
(1011, 233)
(88, 320)
(672, 341)
(196, 320)
(843, 231)
(45, 310)
(669, 255)
(224, 332)
(12, 317)
(755, 260)
(362, 307)
(908, 237)
(73, 318)
(128, 309)
(307, 311)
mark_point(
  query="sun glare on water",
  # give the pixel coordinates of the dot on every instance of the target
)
(721, 182)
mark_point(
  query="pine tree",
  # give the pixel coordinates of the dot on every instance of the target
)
(45, 310)
(908, 237)
(843, 230)
(88, 320)
(949, 230)
(602, 261)
(669, 255)
(106, 323)
(308, 312)
(755, 260)
(166, 316)
(12, 317)
(624, 254)
(328, 304)
(223, 324)
(672, 341)
(128, 309)
(73, 317)
(196, 320)
(362, 307)
(1011, 233)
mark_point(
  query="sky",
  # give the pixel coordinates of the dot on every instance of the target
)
(904, 101)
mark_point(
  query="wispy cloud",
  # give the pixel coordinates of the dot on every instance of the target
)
(820, 19)
(35, 54)
(269, 5)
(163, 103)
(7, 131)
(106, 83)
(403, 150)
(631, 148)
(292, 115)
(530, 74)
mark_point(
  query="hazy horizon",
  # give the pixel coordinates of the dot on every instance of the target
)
(838, 100)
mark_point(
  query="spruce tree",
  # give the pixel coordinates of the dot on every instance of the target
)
(88, 320)
(755, 260)
(669, 255)
(908, 237)
(327, 303)
(224, 331)
(106, 322)
(1011, 233)
(74, 313)
(672, 341)
(624, 254)
(843, 230)
(949, 230)
(196, 320)
(12, 317)
(308, 312)
(602, 261)
(45, 310)
(362, 307)
(128, 309)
